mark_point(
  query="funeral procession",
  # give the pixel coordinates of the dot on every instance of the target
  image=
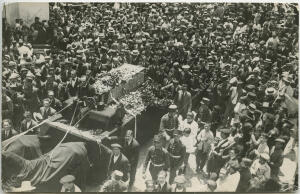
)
(149, 97)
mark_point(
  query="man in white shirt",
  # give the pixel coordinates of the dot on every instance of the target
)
(23, 49)
(289, 165)
(262, 147)
(189, 142)
(260, 169)
(209, 186)
(205, 140)
(189, 122)
(274, 40)
(228, 182)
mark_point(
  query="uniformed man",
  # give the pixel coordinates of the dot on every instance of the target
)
(169, 122)
(177, 153)
(158, 158)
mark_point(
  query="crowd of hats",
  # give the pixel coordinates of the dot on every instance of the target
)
(169, 38)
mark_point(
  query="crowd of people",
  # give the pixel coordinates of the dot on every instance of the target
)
(231, 70)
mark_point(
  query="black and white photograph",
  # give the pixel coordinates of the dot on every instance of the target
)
(149, 97)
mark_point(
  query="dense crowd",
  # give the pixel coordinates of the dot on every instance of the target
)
(230, 69)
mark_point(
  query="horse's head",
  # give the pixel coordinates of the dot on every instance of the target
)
(12, 164)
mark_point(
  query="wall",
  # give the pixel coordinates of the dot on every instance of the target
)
(27, 11)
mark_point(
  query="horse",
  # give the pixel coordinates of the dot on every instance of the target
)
(45, 172)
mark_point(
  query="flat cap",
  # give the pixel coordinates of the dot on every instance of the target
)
(116, 145)
(118, 173)
(225, 130)
(205, 99)
(265, 156)
(179, 179)
(172, 107)
(185, 67)
(280, 140)
(250, 87)
(251, 94)
(67, 178)
(252, 106)
(247, 161)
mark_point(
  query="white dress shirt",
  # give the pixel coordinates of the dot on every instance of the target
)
(28, 124)
(116, 158)
(189, 142)
(193, 126)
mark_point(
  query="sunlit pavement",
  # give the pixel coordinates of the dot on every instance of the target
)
(193, 180)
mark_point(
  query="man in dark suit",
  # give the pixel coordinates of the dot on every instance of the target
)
(7, 106)
(131, 151)
(244, 183)
(204, 112)
(46, 111)
(54, 102)
(162, 183)
(85, 88)
(28, 123)
(119, 162)
(65, 72)
(50, 84)
(184, 101)
(7, 131)
(73, 84)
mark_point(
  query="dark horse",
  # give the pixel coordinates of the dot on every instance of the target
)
(45, 173)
